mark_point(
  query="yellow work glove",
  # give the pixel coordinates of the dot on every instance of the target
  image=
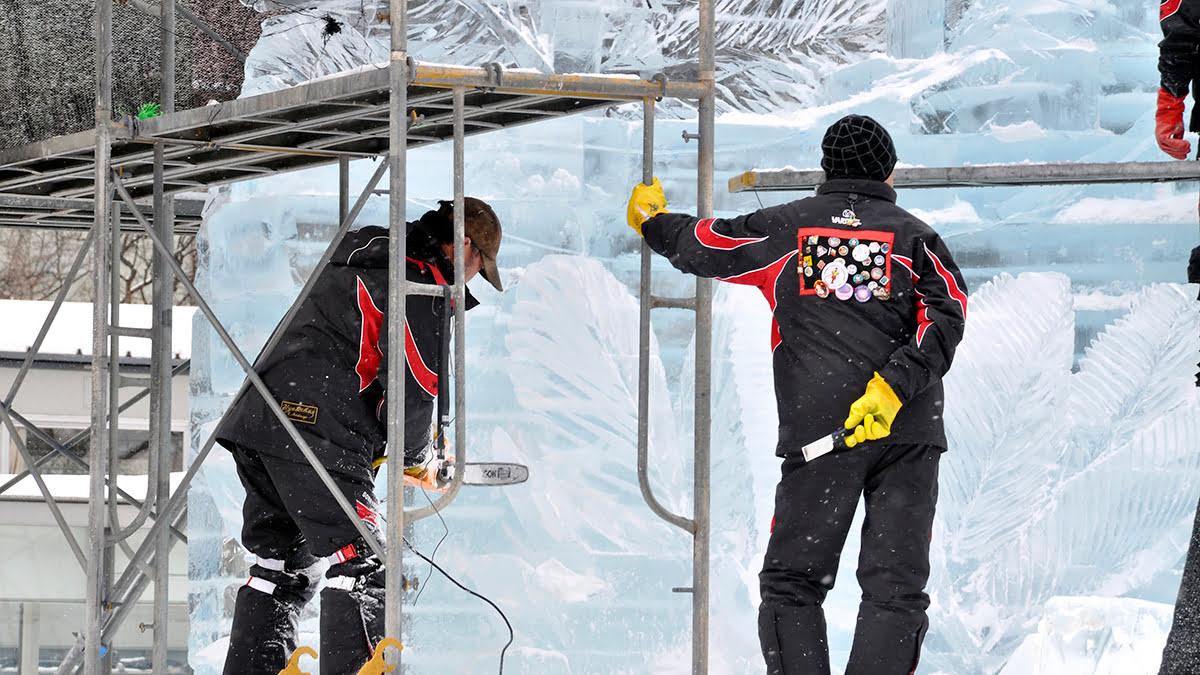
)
(871, 416)
(645, 203)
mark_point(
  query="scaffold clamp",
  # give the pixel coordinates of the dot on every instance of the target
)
(662, 80)
(495, 72)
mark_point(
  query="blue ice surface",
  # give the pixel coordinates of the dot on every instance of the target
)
(1068, 409)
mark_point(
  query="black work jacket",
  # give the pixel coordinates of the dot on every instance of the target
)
(1179, 51)
(903, 317)
(329, 371)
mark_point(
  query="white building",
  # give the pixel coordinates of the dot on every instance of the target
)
(42, 583)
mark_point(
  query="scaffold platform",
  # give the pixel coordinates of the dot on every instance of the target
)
(311, 124)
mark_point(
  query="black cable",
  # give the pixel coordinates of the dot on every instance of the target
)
(445, 533)
(456, 583)
(443, 419)
(331, 25)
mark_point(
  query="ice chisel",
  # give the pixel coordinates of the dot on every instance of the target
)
(824, 446)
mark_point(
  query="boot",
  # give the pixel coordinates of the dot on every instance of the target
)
(263, 634)
(352, 615)
(793, 640)
(886, 643)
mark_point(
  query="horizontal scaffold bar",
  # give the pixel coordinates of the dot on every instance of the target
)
(33, 211)
(628, 87)
(315, 123)
(985, 175)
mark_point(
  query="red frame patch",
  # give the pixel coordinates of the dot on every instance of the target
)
(863, 237)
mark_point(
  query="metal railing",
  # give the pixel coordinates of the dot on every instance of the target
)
(984, 175)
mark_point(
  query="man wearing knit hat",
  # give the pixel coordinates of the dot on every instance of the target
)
(868, 308)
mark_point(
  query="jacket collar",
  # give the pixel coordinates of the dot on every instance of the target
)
(422, 246)
(861, 186)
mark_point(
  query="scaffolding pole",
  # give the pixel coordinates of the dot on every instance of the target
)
(397, 287)
(161, 328)
(699, 524)
(95, 593)
(703, 398)
(984, 175)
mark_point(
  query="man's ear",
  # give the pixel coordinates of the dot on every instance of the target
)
(467, 244)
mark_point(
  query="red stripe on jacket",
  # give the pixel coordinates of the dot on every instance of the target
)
(1168, 8)
(952, 286)
(923, 320)
(765, 278)
(369, 355)
(712, 239)
(438, 277)
(416, 365)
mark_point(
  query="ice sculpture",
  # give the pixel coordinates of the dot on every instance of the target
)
(1058, 482)
(1094, 635)
(915, 28)
(1071, 471)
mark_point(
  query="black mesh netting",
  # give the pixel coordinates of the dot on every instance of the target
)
(48, 62)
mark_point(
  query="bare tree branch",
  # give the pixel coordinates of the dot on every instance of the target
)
(33, 264)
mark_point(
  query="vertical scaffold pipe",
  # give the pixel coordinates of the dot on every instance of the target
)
(460, 288)
(397, 287)
(644, 305)
(703, 400)
(97, 512)
(343, 188)
(161, 327)
(161, 330)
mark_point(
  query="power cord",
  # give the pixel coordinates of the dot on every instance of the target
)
(445, 533)
(456, 583)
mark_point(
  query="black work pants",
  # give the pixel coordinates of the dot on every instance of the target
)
(814, 506)
(1181, 655)
(288, 506)
(291, 518)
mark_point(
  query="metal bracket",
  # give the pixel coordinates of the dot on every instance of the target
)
(689, 136)
(495, 72)
(662, 80)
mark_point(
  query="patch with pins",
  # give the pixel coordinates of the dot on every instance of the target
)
(829, 262)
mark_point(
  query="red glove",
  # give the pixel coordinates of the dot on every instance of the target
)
(1168, 125)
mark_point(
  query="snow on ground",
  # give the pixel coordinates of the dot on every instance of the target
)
(1097, 636)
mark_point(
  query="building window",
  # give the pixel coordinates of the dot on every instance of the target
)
(132, 451)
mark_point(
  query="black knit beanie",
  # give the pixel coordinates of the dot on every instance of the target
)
(857, 146)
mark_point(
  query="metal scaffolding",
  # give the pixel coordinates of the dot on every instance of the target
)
(984, 175)
(125, 174)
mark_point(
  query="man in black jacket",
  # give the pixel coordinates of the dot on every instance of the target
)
(328, 374)
(868, 308)
(1179, 67)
